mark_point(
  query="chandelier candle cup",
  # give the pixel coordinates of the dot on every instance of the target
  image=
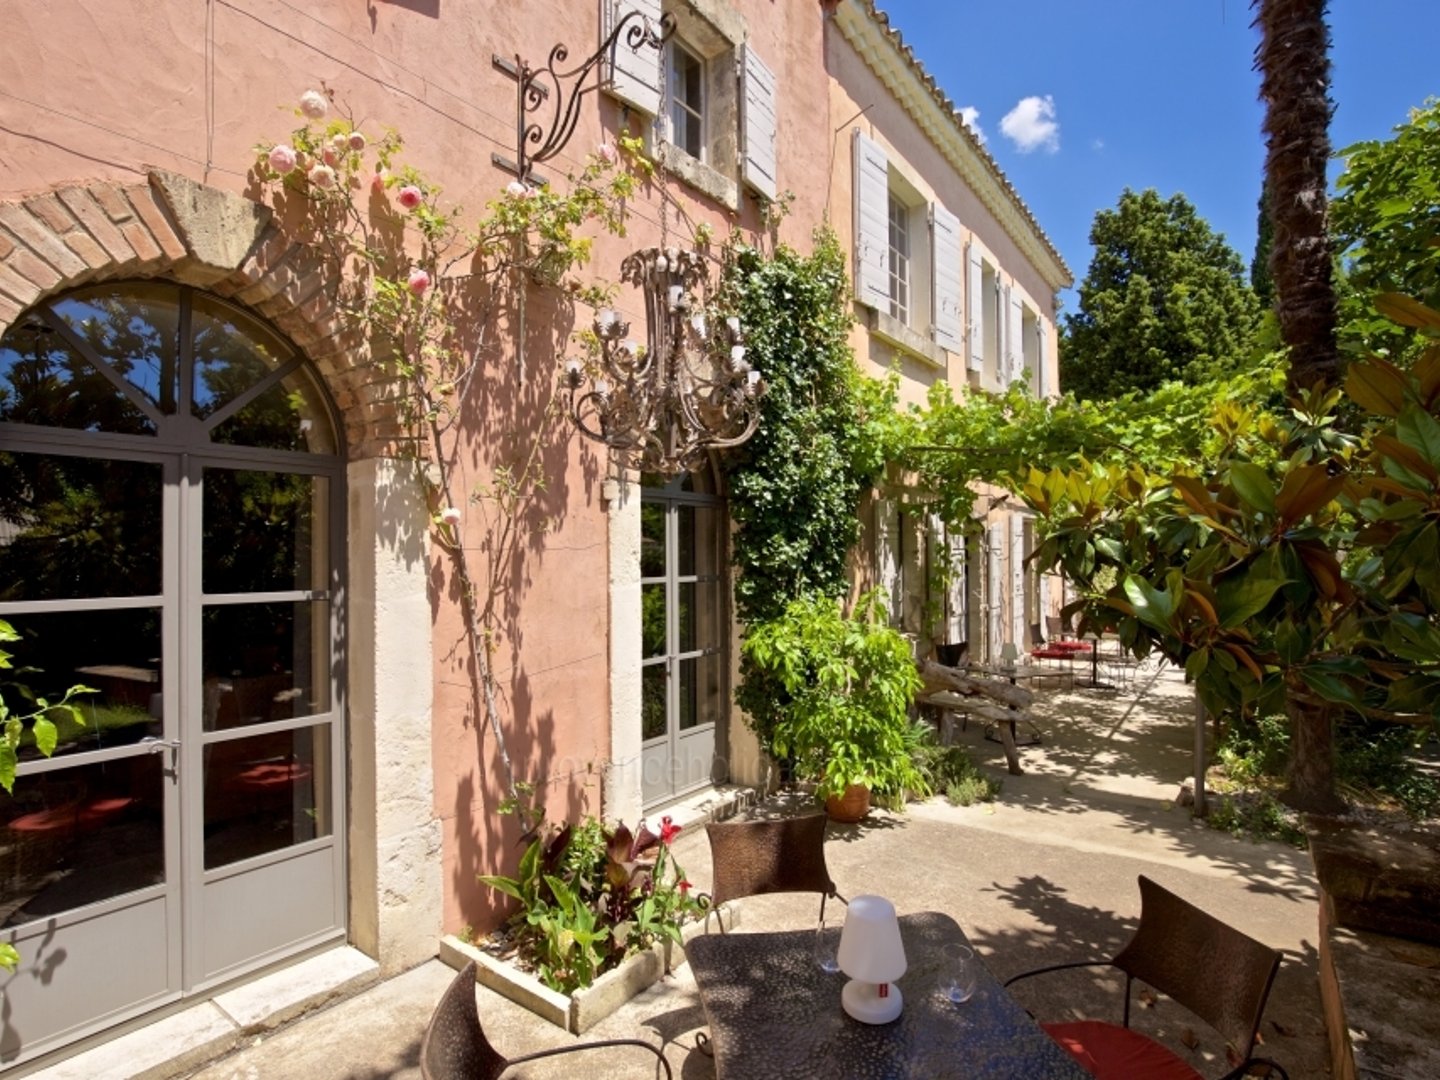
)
(873, 955)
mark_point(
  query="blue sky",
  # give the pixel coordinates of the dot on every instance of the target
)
(1151, 93)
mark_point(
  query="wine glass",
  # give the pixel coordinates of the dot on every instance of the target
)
(956, 980)
(824, 949)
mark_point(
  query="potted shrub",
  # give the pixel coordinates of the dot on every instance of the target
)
(847, 684)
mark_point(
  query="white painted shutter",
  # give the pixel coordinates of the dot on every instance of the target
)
(757, 124)
(872, 223)
(947, 266)
(959, 589)
(995, 592)
(632, 75)
(887, 556)
(1014, 338)
(975, 310)
(1017, 579)
(1042, 379)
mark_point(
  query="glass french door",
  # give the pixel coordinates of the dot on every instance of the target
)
(683, 635)
(169, 513)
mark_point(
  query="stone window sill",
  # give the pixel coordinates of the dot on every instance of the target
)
(892, 330)
(703, 178)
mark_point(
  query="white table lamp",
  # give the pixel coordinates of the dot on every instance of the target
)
(1009, 654)
(872, 954)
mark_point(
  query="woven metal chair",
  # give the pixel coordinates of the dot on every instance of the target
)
(455, 1047)
(1209, 967)
(751, 858)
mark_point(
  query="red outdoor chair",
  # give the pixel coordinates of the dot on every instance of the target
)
(1209, 967)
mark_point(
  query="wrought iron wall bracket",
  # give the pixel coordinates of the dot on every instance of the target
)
(548, 99)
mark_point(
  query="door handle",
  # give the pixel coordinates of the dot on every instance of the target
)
(159, 746)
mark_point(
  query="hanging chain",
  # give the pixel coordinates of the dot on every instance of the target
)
(662, 127)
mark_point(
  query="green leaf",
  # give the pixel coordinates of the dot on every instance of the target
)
(1196, 663)
(1328, 686)
(7, 768)
(1407, 312)
(9, 957)
(1154, 607)
(1252, 484)
(504, 884)
(45, 736)
(1418, 430)
(1245, 594)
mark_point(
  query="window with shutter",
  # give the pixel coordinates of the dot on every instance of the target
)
(887, 556)
(758, 124)
(1014, 338)
(872, 223)
(975, 309)
(899, 258)
(1042, 382)
(1017, 579)
(946, 269)
(995, 592)
(687, 100)
(632, 75)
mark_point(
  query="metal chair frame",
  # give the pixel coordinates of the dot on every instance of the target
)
(1177, 949)
(751, 858)
(455, 1047)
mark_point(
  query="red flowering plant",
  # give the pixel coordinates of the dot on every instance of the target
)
(590, 896)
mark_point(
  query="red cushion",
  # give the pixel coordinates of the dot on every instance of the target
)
(1111, 1052)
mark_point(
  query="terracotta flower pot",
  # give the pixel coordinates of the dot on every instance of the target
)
(850, 807)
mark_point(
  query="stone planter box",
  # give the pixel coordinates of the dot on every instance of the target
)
(582, 1010)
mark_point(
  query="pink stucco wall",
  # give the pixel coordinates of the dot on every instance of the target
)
(99, 90)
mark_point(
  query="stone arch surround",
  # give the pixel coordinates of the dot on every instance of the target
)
(170, 226)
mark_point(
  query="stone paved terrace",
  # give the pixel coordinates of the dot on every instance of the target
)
(1046, 874)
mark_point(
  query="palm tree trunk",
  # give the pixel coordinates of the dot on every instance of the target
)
(1294, 63)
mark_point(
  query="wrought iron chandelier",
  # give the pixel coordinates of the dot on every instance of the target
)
(687, 391)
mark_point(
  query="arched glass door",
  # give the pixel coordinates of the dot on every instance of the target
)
(683, 636)
(170, 514)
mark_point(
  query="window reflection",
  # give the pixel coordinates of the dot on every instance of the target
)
(44, 381)
(232, 354)
(265, 662)
(266, 793)
(261, 531)
(135, 328)
(652, 702)
(75, 528)
(77, 836)
(115, 652)
(290, 415)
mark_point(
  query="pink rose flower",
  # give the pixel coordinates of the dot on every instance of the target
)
(330, 157)
(409, 197)
(322, 176)
(516, 189)
(419, 281)
(282, 159)
(356, 142)
(450, 515)
(607, 153)
(314, 104)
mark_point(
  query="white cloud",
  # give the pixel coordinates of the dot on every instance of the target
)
(970, 117)
(1031, 125)
(1097, 145)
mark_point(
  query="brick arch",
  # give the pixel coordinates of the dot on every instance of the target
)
(172, 227)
